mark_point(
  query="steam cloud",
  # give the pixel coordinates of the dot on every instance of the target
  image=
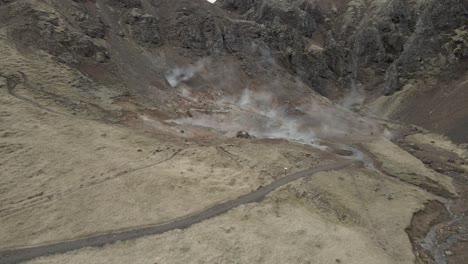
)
(264, 115)
(354, 97)
(180, 74)
(270, 111)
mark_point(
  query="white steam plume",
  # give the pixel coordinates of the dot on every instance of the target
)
(264, 115)
(180, 74)
(355, 97)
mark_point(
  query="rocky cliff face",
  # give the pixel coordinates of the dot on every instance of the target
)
(379, 44)
(369, 48)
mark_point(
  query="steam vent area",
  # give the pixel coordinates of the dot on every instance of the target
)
(234, 131)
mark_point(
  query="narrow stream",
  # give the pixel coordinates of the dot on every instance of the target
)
(437, 248)
(430, 243)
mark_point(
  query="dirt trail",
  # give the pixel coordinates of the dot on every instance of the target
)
(14, 81)
(24, 254)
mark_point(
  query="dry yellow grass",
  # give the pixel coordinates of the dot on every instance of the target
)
(65, 177)
(408, 168)
(334, 217)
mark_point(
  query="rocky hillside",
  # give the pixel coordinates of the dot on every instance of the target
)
(372, 48)
(378, 44)
(354, 50)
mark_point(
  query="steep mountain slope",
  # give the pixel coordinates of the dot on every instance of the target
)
(356, 50)
(369, 48)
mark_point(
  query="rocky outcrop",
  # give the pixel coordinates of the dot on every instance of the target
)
(46, 31)
(238, 6)
(128, 3)
(386, 42)
(91, 26)
(144, 27)
(332, 47)
(423, 45)
(199, 32)
(243, 134)
(288, 29)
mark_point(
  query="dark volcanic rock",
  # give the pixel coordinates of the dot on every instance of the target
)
(50, 33)
(243, 134)
(92, 26)
(392, 81)
(240, 6)
(394, 37)
(428, 40)
(129, 3)
(201, 31)
(379, 45)
(144, 27)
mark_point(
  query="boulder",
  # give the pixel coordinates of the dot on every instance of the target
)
(243, 134)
